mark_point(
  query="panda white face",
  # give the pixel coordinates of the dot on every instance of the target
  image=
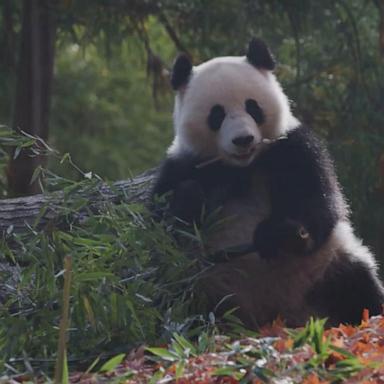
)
(225, 108)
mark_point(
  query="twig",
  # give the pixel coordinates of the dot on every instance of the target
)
(172, 34)
(207, 162)
(217, 158)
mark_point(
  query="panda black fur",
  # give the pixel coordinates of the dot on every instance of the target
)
(237, 146)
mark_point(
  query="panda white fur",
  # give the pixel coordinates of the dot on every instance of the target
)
(237, 147)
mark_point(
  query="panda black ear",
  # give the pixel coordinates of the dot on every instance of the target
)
(181, 71)
(259, 55)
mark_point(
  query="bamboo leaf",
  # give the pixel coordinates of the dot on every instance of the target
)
(112, 363)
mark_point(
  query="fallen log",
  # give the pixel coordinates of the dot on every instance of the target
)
(18, 215)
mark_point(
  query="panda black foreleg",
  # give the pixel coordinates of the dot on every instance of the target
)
(187, 201)
(303, 196)
(276, 236)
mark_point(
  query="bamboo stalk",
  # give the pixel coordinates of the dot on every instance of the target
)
(62, 344)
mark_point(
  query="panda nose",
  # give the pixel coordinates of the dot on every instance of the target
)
(243, 141)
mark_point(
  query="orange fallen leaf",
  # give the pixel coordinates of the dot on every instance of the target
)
(276, 329)
(360, 347)
(346, 330)
(283, 345)
(365, 316)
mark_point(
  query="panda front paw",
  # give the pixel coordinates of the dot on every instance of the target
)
(275, 238)
(187, 201)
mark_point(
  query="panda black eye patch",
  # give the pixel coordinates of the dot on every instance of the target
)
(216, 117)
(255, 111)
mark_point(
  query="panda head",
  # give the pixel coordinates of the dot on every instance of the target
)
(226, 107)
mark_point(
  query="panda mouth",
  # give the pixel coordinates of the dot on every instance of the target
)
(243, 156)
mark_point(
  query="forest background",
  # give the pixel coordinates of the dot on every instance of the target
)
(110, 102)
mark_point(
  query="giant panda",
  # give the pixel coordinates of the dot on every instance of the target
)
(238, 150)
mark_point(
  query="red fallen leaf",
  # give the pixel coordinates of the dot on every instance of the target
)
(226, 380)
(276, 329)
(333, 358)
(360, 347)
(279, 345)
(304, 354)
(378, 376)
(22, 378)
(80, 377)
(314, 379)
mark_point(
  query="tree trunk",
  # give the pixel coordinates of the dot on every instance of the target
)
(381, 29)
(33, 91)
(7, 58)
(380, 7)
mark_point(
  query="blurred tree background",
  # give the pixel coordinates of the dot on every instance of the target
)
(110, 104)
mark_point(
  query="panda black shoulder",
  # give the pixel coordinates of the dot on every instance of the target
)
(300, 144)
(306, 163)
(172, 171)
(177, 174)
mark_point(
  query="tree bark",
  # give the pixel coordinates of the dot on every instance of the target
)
(7, 58)
(381, 29)
(39, 211)
(33, 91)
(380, 7)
